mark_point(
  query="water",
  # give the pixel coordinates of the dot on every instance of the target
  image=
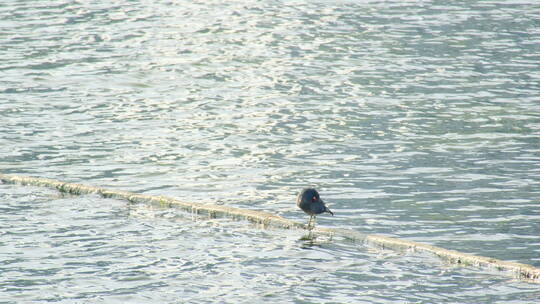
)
(419, 120)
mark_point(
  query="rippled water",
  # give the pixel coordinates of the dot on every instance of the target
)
(416, 119)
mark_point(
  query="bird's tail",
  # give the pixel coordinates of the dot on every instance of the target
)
(329, 211)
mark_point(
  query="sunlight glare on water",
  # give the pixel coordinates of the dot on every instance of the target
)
(416, 119)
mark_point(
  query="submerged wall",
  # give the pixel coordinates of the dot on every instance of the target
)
(517, 270)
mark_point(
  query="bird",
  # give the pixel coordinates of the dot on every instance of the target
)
(311, 203)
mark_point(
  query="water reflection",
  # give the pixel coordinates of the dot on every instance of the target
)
(417, 120)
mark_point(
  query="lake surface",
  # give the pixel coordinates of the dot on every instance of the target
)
(416, 119)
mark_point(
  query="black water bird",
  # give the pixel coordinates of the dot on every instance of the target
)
(311, 203)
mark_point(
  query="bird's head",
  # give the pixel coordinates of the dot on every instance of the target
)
(309, 195)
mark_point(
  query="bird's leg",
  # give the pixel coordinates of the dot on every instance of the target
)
(311, 226)
(309, 222)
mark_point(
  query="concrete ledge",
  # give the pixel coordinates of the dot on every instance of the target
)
(517, 270)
